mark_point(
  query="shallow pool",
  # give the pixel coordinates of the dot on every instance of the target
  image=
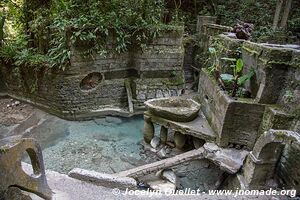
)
(105, 145)
(109, 145)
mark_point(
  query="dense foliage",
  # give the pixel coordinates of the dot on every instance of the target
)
(131, 22)
(36, 32)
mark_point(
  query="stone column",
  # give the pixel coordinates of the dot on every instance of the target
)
(148, 129)
(163, 134)
(179, 139)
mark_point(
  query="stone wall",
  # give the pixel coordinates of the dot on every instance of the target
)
(197, 45)
(94, 86)
(288, 167)
(236, 122)
(275, 86)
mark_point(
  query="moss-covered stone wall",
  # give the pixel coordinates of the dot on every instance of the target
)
(95, 85)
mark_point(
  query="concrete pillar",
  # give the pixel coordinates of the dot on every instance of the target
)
(163, 134)
(148, 129)
(179, 139)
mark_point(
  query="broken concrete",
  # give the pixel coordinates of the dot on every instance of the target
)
(229, 160)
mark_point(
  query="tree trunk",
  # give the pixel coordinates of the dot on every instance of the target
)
(277, 14)
(286, 13)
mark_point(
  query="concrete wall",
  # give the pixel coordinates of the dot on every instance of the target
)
(155, 71)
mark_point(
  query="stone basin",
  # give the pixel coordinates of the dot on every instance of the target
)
(174, 108)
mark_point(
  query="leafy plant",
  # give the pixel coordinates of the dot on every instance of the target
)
(236, 80)
(230, 82)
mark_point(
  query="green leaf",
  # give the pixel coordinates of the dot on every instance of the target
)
(228, 78)
(246, 77)
(239, 65)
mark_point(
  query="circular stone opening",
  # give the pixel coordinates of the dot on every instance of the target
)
(91, 81)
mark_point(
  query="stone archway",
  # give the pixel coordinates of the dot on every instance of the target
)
(261, 163)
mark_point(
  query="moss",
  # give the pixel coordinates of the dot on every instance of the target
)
(174, 81)
(280, 134)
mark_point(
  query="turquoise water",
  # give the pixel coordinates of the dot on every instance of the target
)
(109, 145)
(105, 145)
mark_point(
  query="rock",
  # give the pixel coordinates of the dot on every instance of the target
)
(159, 94)
(17, 103)
(162, 153)
(155, 142)
(113, 120)
(163, 186)
(170, 176)
(8, 105)
(168, 150)
(19, 117)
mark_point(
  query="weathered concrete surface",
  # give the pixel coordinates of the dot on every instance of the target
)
(234, 121)
(106, 180)
(229, 160)
(11, 151)
(157, 72)
(198, 128)
(174, 108)
(162, 164)
(260, 166)
(278, 119)
(67, 188)
(287, 169)
(276, 78)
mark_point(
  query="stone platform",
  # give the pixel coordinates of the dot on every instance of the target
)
(198, 128)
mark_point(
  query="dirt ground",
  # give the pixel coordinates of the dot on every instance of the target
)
(13, 112)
